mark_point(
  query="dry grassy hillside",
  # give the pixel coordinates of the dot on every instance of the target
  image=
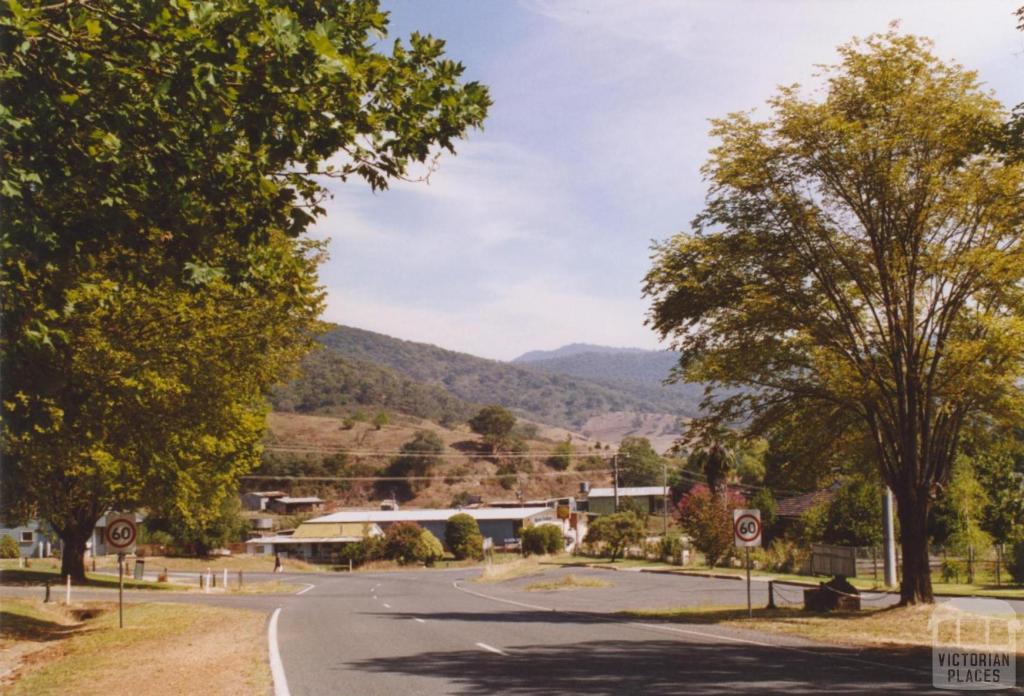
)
(661, 429)
(465, 468)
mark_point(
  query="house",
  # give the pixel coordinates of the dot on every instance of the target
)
(788, 511)
(316, 542)
(601, 501)
(35, 539)
(497, 524)
(257, 500)
(286, 505)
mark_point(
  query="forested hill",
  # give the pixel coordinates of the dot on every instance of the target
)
(547, 397)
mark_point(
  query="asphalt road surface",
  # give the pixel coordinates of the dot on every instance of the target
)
(437, 632)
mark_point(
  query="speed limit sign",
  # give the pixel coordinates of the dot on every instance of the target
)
(746, 527)
(121, 533)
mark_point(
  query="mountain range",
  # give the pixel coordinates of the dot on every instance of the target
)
(566, 387)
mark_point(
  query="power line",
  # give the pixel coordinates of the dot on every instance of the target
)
(461, 477)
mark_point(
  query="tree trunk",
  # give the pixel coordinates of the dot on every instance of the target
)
(72, 558)
(916, 584)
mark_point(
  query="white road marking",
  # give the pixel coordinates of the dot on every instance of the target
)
(307, 589)
(702, 634)
(416, 618)
(276, 666)
(491, 648)
(386, 605)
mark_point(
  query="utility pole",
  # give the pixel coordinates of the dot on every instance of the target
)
(889, 537)
(664, 496)
(615, 481)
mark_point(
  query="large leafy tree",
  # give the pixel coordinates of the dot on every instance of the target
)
(639, 463)
(860, 252)
(161, 161)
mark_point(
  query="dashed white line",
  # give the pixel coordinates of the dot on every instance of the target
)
(307, 589)
(387, 606)
(276, 666)
(417, 619)
(491, 648)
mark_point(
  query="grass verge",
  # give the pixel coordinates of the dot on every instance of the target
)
(41, 575)
(518, 568)
(163, 650)
(901, 627)
(567, 582)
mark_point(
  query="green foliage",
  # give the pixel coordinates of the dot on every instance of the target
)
(364, 551)
(615, 533)
(418, 458)
(952, 570)
(462, 537)
(959, 513)
(9, 547)
(542, 539)
(561, 459)
(402, 540)
(1015, 562)
(428, 549)
(495, 423)
(200, 538)
(853, 517)
(381, 419)
(781, 556)
(764, 500)
(639, 464)
(799, 283)
(707, 519)
(670, 547)
(160, 166)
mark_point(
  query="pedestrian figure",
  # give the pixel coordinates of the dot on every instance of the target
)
(277, 563)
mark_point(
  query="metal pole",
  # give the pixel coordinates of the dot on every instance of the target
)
(615, 482)
(120, 590)
(750, 609)
(889, 535)
(771, 595)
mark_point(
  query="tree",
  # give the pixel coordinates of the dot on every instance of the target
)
(639, 464)
(419, 457)
(161, 163)
(494, 423)
(428, 549)
(959, 514)
(707, 519)
(853, 516)
(9, 547)
(380, 420)
(463, 538)
(201, 537)
(712, 451)
(561, 459)
(617, 532)
(401, 541)
(859, 254)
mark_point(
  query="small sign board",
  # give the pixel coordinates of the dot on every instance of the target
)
(488, 543)
(746, 527)
(562, 511)
(833, 560)
(121, 533)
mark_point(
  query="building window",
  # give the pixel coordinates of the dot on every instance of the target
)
(26, 537)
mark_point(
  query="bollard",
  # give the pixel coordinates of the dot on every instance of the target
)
(771, 594)
(350, 565)
(67, 597)
(225, 579)
(200, 581)
(47, 598)
(214, 579)
(239, 579)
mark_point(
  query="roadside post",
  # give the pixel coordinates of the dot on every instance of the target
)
(746, 527)
(121, 535)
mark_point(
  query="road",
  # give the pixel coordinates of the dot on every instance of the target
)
(438, 632)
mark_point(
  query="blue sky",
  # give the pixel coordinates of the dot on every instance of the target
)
(537, 234)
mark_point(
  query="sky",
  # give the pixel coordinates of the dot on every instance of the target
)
(538, 233)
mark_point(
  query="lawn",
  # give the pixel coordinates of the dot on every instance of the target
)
(567, 582)
(163, 650)
(519, 567)
(39, 574)
(906, 627)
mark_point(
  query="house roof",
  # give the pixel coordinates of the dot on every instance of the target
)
(289, 500)
(268, 494)
(430, 515)
(799, 504)
(626, 492)
(303, 540)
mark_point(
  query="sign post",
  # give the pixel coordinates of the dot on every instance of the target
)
(121, 535)
(746, 528)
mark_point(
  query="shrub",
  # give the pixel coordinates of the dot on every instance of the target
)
(401, 540)
(9, 547)
(428, 549)
(781, 556)
(670, 547)
(615, 533)
(369, 549)
(708, 521)
(542, 539)
(463, 538)
(952, 570)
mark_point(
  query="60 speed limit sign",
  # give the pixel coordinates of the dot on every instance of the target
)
(746, 527)
(121, 533)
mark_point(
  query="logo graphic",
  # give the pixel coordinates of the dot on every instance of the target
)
(974, 644)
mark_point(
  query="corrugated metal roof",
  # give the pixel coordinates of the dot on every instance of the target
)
(306, 540)
(288, 499)
(626, 491)
(430, 515)
(360, 530)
